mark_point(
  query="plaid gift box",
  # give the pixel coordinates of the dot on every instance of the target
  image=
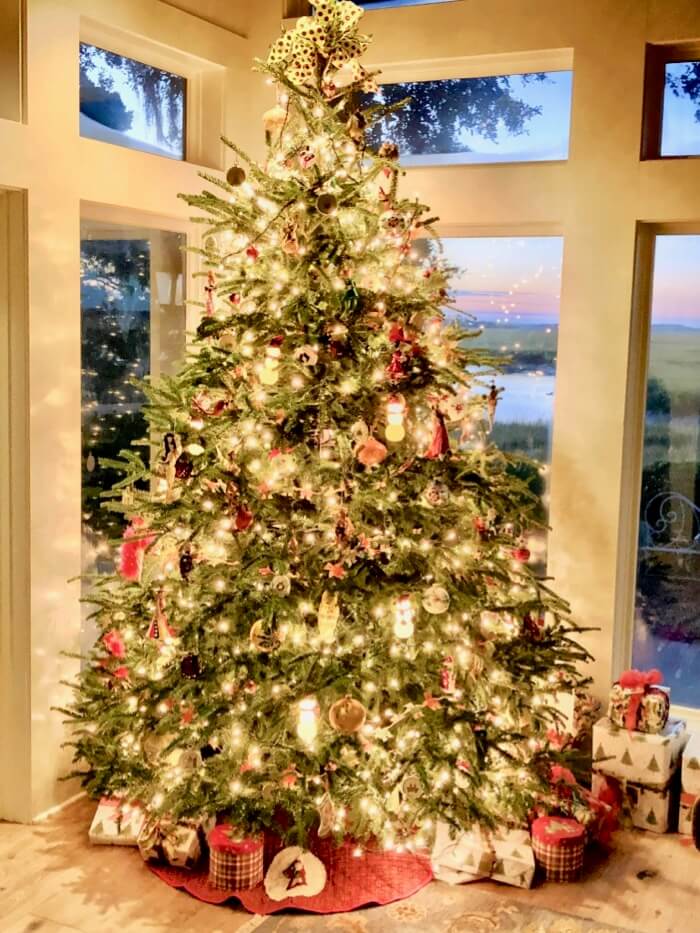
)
(235, 861)
(558, 844)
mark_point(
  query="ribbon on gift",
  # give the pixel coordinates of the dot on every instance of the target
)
(330, 35)
(637, 683)
(164, 839)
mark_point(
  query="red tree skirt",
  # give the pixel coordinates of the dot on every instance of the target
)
(376, 877)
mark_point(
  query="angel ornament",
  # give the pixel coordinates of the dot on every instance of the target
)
(492, 400)
(171, 454)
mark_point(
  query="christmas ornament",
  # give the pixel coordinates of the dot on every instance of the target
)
(290, 240)
(436, 494)
(262, 640)
(396, 370)
(359, 432)
(235, 176)
(186, 563)
(244, 518)
(411, 786)
(252, 252)
(371, 452)
(448, 680)
(189, 667)
(326, 816)
(326, 203)
(281, 584)
(90, 463)
(114, 643)
(274, 120)
(159, 630)
(344, 529)
(404, 614)
(307, 157)
(269, 375)
(521, 554)
(183, 467)
(307, 720)
(436, 600)
(136, 543)
(440, 444)
(294, 872)
(210, 288)
(306, 355)
(388, 150)
(491, 404)
(347, 715)
(171, 454)
(328, 615)
(395, 413)
(356, 126)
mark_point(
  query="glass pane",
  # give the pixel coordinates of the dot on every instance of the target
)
(680, 128)
(131, 104)
(504, 118)
(667, 623)
(510, 287)
(133, 324)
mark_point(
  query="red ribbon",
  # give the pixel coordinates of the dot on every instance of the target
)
(637, 682)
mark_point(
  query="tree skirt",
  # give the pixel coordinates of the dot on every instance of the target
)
(376, 877)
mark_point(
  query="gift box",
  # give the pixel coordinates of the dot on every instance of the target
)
(116, 823)
(179, 844)
(651, 808)
(558, 844)
(235, 861)
(503, 855)
(645, 758)
(690, 784)
(638, 703)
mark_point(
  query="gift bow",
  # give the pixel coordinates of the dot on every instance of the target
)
(637, 682)
(331, 34)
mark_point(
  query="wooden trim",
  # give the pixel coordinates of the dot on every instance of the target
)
(15, 619)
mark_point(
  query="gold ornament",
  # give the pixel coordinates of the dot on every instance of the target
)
(347, 715)
(263, 641)
(328, 615)
(371, 452)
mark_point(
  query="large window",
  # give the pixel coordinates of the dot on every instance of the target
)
(129, 103)
(502, 118)
(510, 286)
(667, 621)
(680, 127)
(133, 325)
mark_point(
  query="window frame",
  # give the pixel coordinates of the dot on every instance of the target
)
(633, 444)
(657, 56)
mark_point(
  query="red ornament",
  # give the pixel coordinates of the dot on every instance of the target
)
(252, 252)
(234, 298)
(440, 444)
(133, 548)
(397, 334)
(244, 518)
(122, 673)
(447, 675)
(114, 643)
(396, 370)
(521, 554)
(532, 627)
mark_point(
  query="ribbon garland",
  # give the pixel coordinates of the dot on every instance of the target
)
(331, 35)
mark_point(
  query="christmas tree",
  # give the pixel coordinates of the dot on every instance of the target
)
(324, 617)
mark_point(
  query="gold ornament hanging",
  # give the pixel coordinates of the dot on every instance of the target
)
(347, 715)
(328, 615)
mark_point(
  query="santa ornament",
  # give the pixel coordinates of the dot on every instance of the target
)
(294, 872)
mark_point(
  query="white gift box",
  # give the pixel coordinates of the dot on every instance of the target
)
(651, 808)
(116, 823)
(645, 758)
(503, 855)
(690, 784)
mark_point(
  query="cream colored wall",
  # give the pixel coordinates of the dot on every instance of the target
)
(46, 158)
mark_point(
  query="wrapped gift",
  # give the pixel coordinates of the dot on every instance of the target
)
(504, 855)
(646, 758)
(235, 861)
(116, 823)
(690, 784)
(651, 808)
(179, 844)
(559, 844)
(638, 703)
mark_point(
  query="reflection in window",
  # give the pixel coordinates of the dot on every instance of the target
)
(510, 286)
(680, 128)
(667, 622)
(131, 104)
(506, 118)
(133, 325)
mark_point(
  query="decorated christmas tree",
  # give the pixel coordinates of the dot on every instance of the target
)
(324, 619)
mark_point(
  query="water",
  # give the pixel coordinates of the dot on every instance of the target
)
(527, 398)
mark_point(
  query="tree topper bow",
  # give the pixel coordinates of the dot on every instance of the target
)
(329, 38)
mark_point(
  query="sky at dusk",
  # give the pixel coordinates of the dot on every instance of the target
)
(676, 295)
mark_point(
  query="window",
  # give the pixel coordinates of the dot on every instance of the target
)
(133, 325)
(11, 54)
(129, 103)
(501, 118)
(671, 126)
(680, 126)
(667, 618)
(510, 286)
